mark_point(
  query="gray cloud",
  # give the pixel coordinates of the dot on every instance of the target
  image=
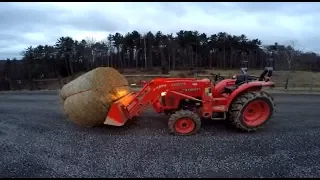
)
(33, 19)
(25, 24)
(92, 21)
(288, 8)
(21, 19)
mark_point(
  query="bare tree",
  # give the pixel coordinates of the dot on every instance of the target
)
(91, 42)
(105, 55)
(290, 53)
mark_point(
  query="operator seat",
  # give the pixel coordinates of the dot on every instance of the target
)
(241, 79)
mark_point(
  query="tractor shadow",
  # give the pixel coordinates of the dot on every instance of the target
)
(218, 126)
(151, 125)
(158, 125)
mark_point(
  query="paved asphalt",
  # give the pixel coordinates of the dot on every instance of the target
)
(37, 141)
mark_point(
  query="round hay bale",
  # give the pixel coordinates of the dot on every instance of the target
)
(86, 109)
(103, 79)
(87, 99)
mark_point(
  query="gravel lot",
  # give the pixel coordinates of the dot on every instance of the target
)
(37, 141)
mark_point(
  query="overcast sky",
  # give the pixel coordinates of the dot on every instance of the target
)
(25, 24)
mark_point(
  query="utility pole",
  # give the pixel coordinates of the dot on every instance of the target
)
(145, 51)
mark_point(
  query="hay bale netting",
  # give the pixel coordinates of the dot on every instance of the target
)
(88, 98)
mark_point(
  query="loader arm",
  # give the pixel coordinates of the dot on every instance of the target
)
(133, 104)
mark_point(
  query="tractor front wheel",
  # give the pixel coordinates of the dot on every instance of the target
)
(184, 122)
(251, 111)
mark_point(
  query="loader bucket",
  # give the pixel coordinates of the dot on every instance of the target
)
(118, 114)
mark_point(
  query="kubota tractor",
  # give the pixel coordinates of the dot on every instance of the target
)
(188, 100)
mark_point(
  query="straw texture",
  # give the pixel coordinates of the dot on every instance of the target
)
(87, 99)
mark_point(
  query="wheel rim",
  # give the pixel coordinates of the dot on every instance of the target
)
(185, 125)
(256, 113)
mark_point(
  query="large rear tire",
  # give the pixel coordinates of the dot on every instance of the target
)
(184, 123)
(251, 111)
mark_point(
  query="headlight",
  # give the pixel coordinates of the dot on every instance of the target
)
(122, 93)
(163, 93)
(208, 91)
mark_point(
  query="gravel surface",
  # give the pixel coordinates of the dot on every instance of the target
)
(37, 141)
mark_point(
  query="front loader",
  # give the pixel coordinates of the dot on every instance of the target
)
(186, 101)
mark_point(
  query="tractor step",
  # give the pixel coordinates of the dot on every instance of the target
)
(219, 116)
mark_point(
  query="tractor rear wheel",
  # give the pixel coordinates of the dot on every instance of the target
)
(184, 123)
(251, 111)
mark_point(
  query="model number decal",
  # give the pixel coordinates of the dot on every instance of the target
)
(191, 89)
(160, 86)
(219, 108)
(178, 84)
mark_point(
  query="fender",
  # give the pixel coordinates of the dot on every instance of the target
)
(255, 85)
(218, 88)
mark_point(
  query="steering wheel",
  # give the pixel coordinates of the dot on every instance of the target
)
(217, 77)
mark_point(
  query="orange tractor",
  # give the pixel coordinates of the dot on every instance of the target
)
(186, 101)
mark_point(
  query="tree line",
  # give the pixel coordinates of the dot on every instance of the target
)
(182, 50)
